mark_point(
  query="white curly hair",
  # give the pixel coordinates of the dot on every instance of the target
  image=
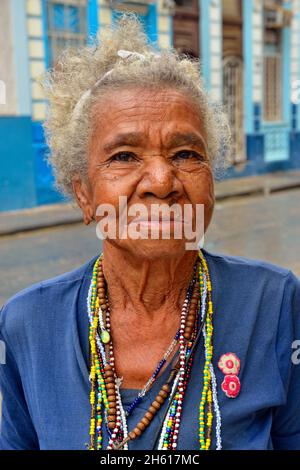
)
(68, 127)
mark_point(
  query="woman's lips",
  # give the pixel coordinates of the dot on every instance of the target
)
(170, 218)
(158, 221)
(163, 224)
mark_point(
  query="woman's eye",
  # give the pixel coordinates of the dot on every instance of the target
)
(188, 155)
(123, 157)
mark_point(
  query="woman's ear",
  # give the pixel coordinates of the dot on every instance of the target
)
(84, 199)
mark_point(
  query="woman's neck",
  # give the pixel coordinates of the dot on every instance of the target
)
(146, 286)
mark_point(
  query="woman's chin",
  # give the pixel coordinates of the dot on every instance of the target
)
(151, 249)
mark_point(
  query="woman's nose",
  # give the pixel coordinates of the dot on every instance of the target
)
(159, 180)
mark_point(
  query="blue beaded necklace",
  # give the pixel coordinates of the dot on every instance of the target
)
(140, 396)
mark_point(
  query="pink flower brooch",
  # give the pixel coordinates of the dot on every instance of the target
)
(230, 365)
(231, 386)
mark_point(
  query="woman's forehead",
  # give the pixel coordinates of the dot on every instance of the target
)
(140, 99)
(129, 115)
(146, 93)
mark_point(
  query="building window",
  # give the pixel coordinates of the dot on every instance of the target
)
(272, 61)
(66, 26)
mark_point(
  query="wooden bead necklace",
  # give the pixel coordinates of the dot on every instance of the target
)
(105, 396)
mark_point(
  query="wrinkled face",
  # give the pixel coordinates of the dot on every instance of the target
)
(149, 146)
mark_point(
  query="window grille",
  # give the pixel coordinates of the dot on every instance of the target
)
(233, 103)
(272, 74)
(66, 25)
(272, 88)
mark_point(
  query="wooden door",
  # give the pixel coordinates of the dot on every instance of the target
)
(186, 27)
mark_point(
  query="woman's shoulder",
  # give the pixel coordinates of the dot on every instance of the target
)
(260, 306)
(40, 299)
(267, 292)
(243, 266)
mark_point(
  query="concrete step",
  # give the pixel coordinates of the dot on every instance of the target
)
(260, 184)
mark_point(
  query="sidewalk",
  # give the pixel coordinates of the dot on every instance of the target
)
(64, 214)
(260, 184)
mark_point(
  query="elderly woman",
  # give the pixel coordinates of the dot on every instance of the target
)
(152, 344)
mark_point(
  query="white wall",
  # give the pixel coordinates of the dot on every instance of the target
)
(7, 70)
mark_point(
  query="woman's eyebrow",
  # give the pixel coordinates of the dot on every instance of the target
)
(131, 139)
(134, 139)
(187, 138)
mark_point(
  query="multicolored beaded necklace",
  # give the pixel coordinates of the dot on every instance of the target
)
(105, 398)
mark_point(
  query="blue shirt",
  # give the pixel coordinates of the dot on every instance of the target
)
(45, 381)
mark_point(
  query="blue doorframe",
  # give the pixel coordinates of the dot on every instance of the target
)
(92, 19)
(248, 64)
(205, 40)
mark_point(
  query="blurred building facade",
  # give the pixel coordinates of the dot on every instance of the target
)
(250, 56)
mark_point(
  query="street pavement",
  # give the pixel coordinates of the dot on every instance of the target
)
(263, 226)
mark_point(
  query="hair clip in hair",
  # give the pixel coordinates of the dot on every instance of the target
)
(126, 54)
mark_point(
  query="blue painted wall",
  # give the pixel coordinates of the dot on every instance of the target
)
(26, 179)
(43, 176)
(295, 149)
(17, 171)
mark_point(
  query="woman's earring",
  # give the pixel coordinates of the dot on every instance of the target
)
(88, 216)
